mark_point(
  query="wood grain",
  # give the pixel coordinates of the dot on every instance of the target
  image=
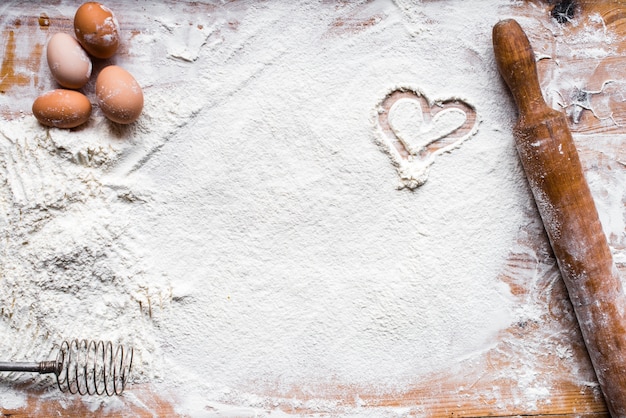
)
(144, 403)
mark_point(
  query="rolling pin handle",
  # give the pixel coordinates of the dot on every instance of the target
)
(516, 62)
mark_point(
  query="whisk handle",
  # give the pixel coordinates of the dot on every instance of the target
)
(42, 367)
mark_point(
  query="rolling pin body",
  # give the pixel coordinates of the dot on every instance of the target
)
(555, 175)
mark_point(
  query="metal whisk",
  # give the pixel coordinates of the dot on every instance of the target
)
(84, 367)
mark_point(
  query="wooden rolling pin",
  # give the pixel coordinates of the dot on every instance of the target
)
(569, 215)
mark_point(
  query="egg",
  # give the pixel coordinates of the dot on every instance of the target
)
(69, 63)
(62, 108)
(97, 29)
(119, 95)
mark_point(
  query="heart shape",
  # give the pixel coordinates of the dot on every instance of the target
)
(413, 131)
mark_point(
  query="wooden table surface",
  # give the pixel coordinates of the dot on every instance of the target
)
(488, 385)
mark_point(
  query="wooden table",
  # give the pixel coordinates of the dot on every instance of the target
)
(484, 386)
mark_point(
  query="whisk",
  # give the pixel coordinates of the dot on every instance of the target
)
(84, 367)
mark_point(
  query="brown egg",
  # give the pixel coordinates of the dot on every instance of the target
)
(97, 30)
(119, 95)
(69, 64)
(62, 108)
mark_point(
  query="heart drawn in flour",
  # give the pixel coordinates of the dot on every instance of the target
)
(413, 131)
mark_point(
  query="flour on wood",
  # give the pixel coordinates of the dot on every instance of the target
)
(246, 233)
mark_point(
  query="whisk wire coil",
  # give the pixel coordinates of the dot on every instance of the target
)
(93, 367)
(85, 367)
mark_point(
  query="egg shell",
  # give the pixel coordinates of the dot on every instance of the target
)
(69, 63)
(119, 95)
(62, 108)
(97, 29)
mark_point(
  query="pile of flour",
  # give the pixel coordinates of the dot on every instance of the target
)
(246, 235)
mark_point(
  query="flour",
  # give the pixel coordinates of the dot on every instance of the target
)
(246, 234)
(414, 130)
(253, 232)
(407, 121)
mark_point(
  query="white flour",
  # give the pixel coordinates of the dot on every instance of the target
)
(246, 234)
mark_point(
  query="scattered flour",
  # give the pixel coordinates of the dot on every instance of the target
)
(246, 234)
